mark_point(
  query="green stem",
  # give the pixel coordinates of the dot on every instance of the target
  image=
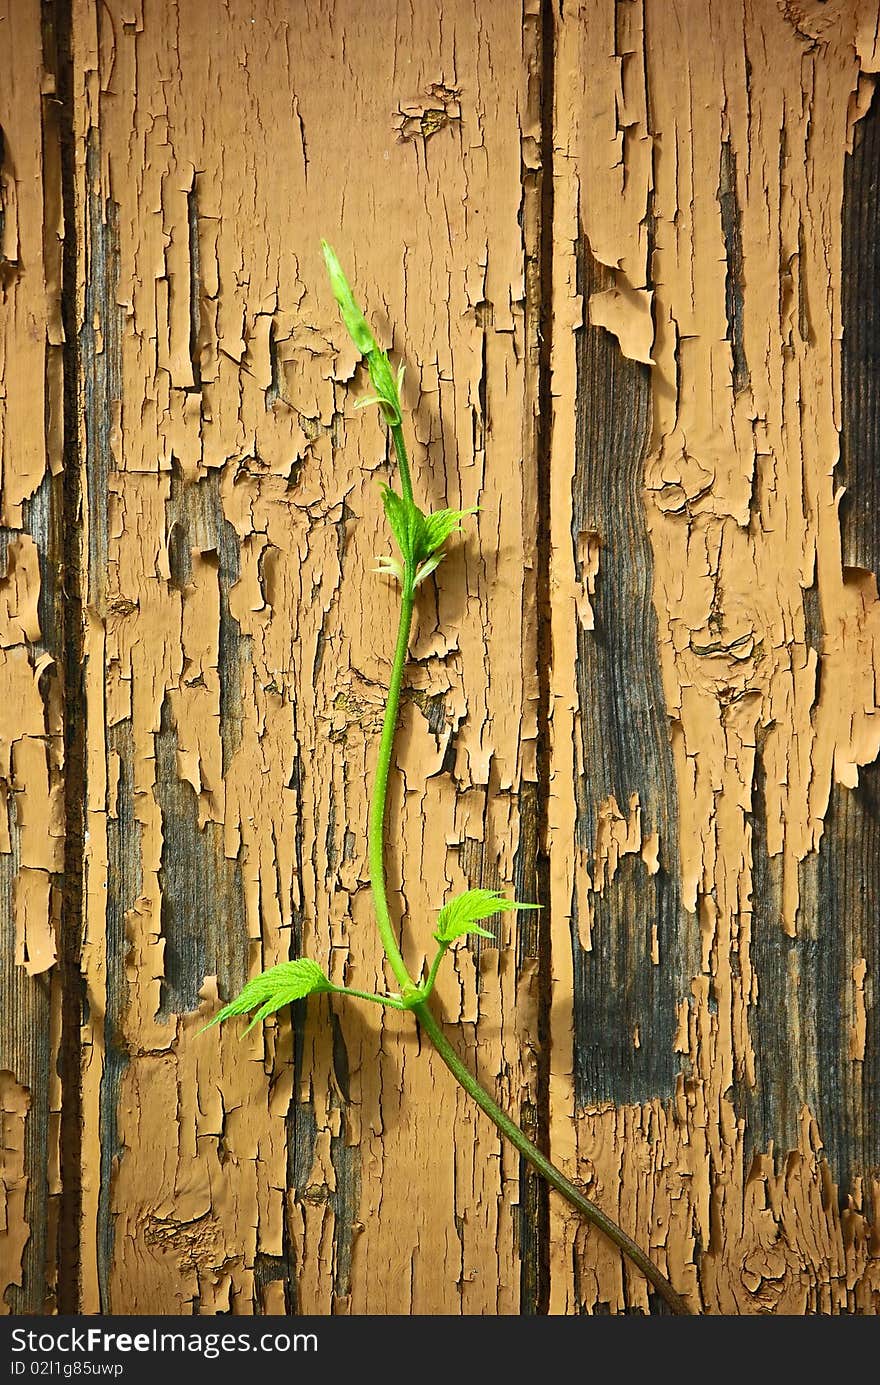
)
(378, 804)
(399, 441)
(588, 1210)
(391, 1001)
(435, 967)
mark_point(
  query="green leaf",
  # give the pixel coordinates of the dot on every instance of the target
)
(385, 386)
(427, 567)
(352, 316)
(273, 989)
(389, 567)
(419, 536)
(403, 517)
(440, 525)
(461, 914)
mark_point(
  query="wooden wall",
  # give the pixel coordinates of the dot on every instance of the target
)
(629, 251)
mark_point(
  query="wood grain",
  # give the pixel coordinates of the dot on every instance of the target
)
(628, 252)
(712, 1082)
(238, 645)
(31, 743)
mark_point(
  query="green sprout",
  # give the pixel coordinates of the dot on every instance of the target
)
(420, 539)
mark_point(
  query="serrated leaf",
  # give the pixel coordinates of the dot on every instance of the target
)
(401, 519)
(461, 915)
(273, 989)
(385, 386)
(440, 525)
(420, 537)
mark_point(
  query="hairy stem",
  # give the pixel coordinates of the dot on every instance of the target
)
(378, 802)
(399, 441)
(588, 1210)
(428, 984)
(430, 1026)
(392, 1001)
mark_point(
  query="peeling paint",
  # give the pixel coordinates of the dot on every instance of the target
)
(693, 1024)
(14, 1228)
(238, 648)
(31, 740)
(626, 313)
(764, 684)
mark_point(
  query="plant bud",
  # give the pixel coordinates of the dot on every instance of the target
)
(352, 316)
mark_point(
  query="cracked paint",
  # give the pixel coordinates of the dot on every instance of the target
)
(708, 682)
(239, 647)
(742, 507)
(31, 737)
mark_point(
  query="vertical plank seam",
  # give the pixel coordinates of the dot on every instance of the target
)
(544, 625)
(73, 699)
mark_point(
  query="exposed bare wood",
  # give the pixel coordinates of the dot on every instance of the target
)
(715, 1080)
(238, 644)
(31, 745)
(629, 251)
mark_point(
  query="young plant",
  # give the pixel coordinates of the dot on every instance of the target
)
(420, 539)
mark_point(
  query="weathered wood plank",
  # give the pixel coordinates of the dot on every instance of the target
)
(708, 784)
(712, 1080)
(31, 744)
(238, 644)
(848, 885)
